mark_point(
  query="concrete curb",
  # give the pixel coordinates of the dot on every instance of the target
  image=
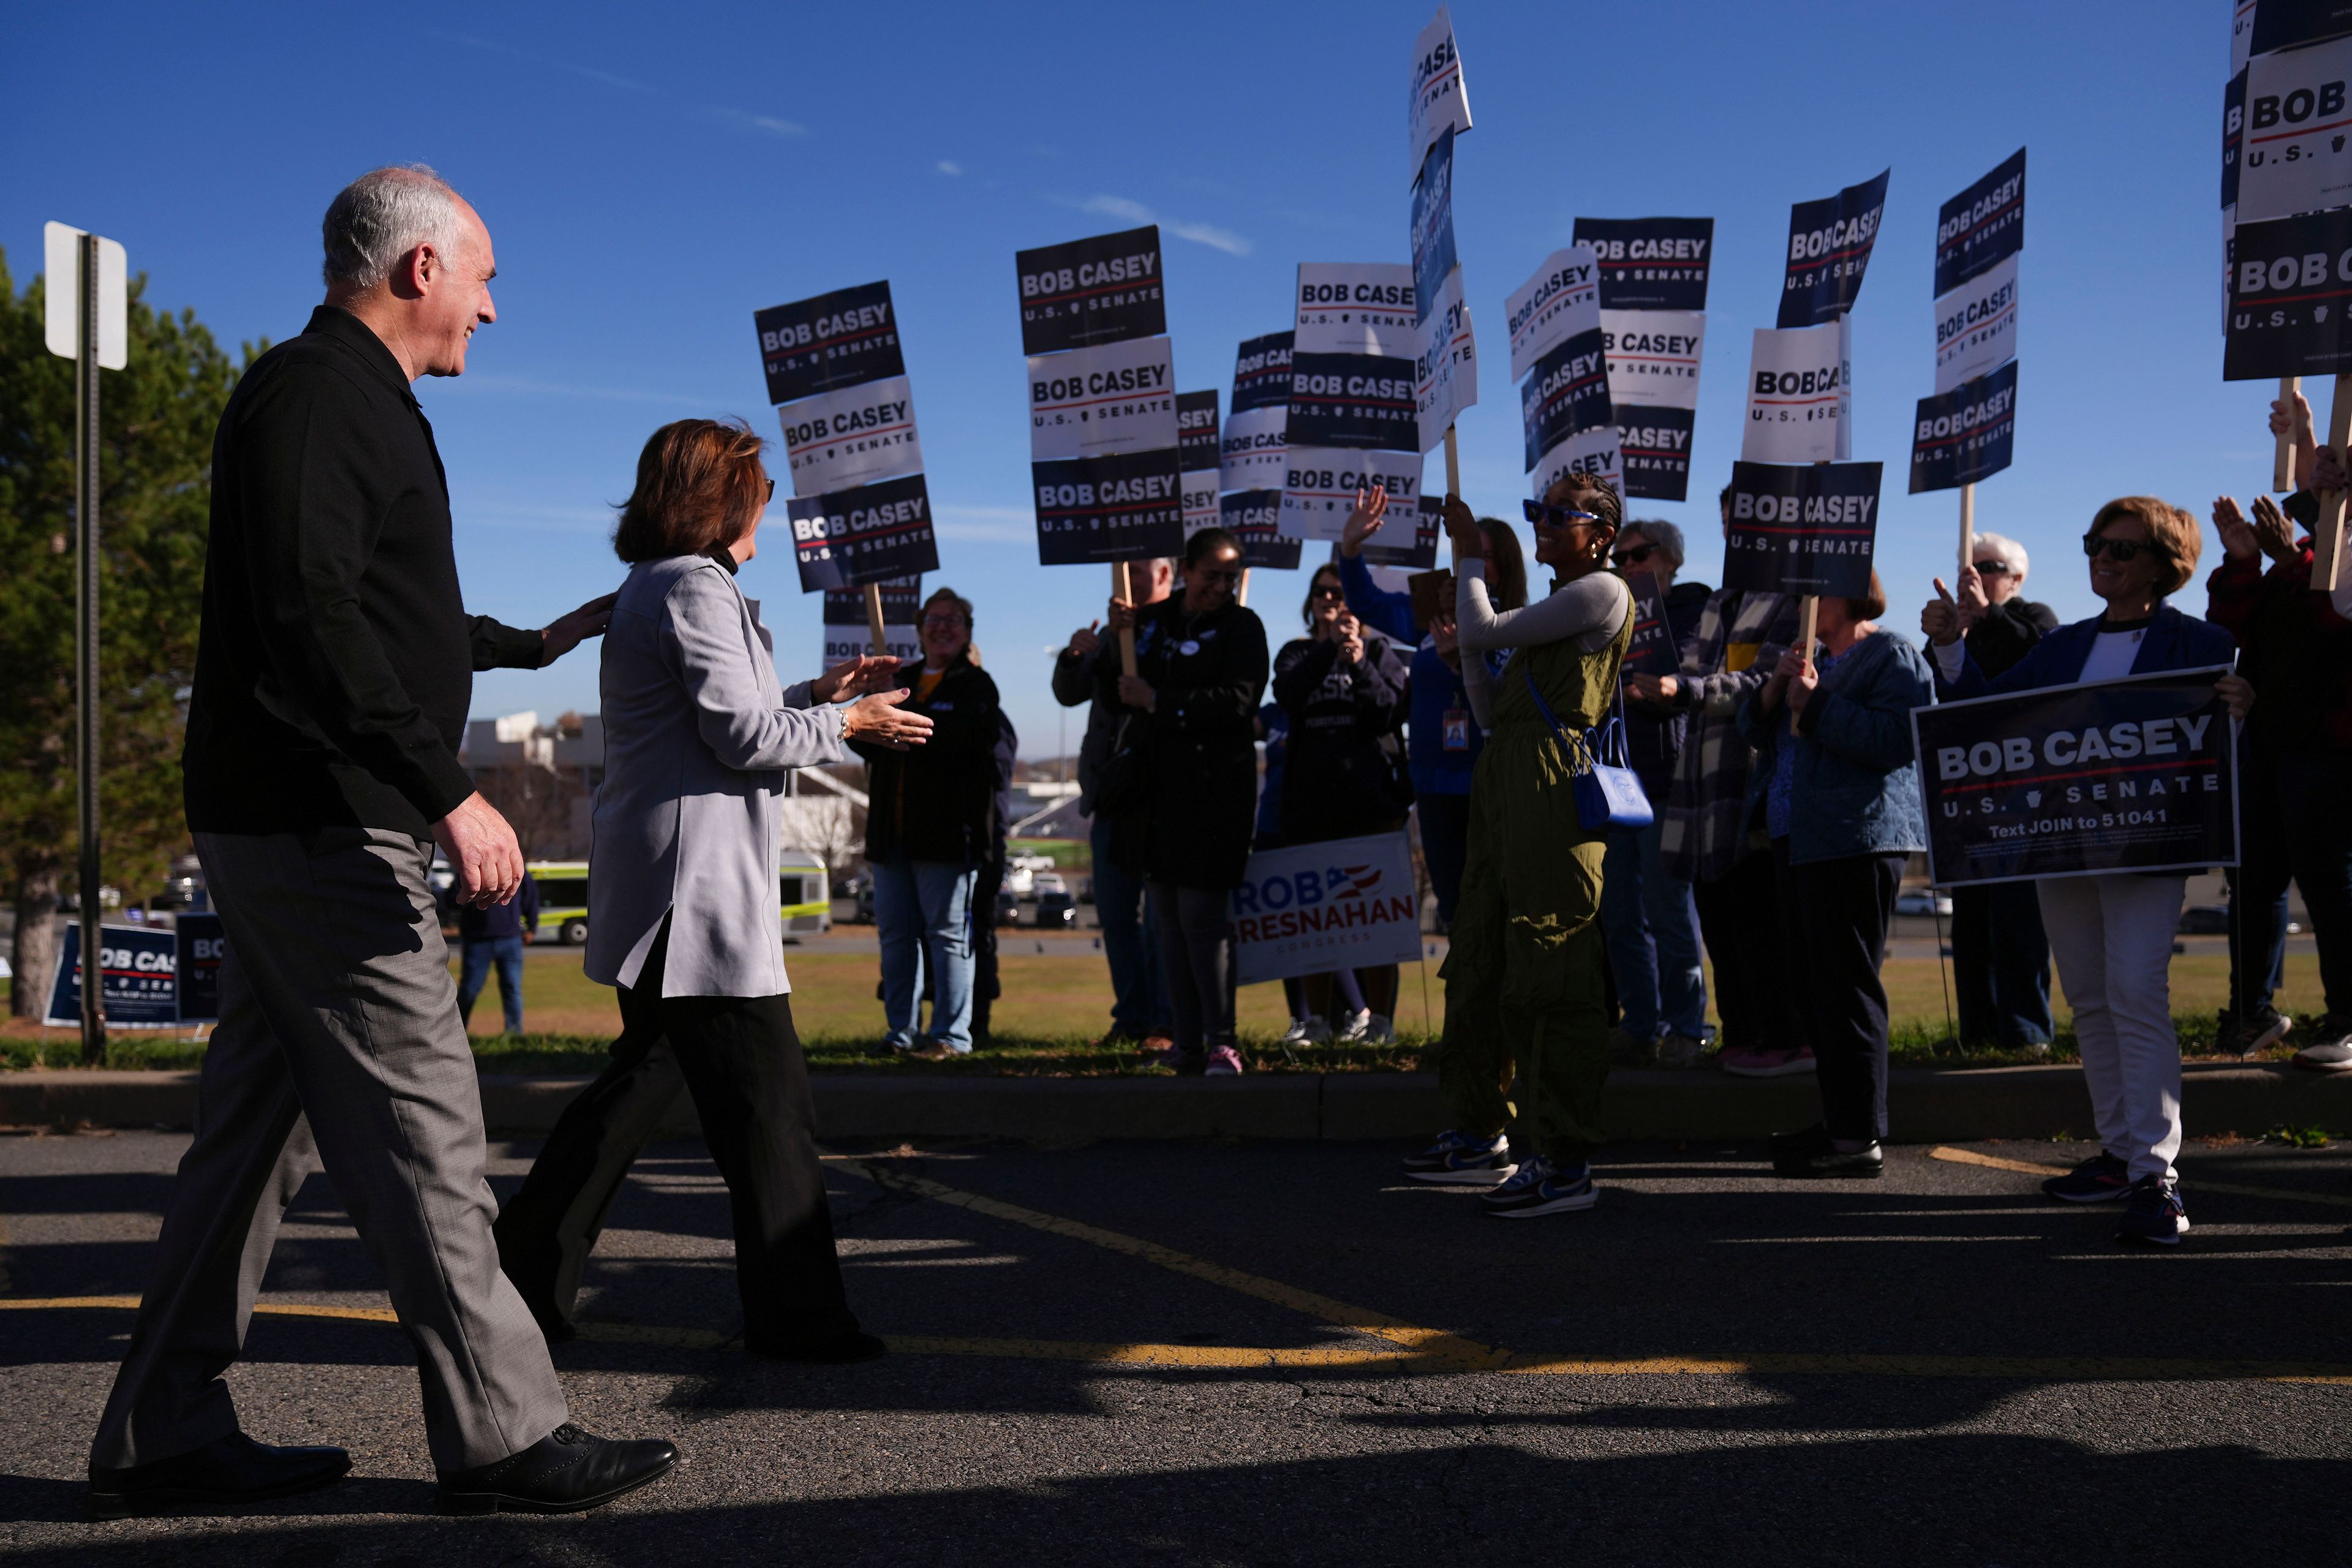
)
(1925, 1106)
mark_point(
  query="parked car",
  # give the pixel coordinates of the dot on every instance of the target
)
(2205, 920)
(1049, 882)
(1056, 912)
(1008, 908)
(1923, 901)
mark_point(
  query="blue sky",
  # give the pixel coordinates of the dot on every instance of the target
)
(652, 175)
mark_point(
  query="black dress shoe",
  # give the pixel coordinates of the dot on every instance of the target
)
(842, 1349)
(567, 1471)
(228, 1472)
(1865, 1163)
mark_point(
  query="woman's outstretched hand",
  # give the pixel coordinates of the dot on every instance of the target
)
(879, 720)
(856, 678)
(1372, 507)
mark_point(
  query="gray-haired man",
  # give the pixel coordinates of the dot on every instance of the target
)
(333, 680)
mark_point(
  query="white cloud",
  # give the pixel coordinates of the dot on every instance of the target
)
(947, 168)
(1130, 211)
(1215, 238)
(766, 122)
(1116, 206)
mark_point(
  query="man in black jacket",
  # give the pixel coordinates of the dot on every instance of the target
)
(2000, 959)
(332, 679)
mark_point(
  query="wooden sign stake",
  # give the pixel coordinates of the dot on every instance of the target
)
(2327, 537)
(1452, 465)
(1967, 526)
(2283, 460)
(1122, 587)
(1241, 592)
(874, 617)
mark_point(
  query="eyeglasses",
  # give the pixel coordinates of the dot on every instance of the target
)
(1218, 573)
(943, 623)
(771, 490)
(1635, 556)
(2119, 551)
(1327, 591)
(1992, 568)
(1549, 516)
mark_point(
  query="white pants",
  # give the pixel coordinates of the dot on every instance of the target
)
(2113, 939)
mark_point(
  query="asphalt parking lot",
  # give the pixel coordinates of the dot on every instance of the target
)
(1277, 1353)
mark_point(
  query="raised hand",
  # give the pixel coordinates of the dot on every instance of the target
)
(1121, 616)
(2238, 542)
(1085, 640)
(1939, 621)
(856, 678)
(2273, 532)
(1372, 507)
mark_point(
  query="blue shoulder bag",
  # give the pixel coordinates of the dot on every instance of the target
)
(1607, 792)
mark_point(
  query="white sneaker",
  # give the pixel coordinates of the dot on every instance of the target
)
(1378, 1030)
(1356, 1025)
(1307, 1032)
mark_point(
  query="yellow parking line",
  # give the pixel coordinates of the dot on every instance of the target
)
(1429, 1342)
(2193, 1183)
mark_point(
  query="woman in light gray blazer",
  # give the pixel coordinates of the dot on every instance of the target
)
(683, 911)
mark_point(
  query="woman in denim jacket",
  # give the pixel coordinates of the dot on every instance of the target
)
(2112, 934)
(1839, 780)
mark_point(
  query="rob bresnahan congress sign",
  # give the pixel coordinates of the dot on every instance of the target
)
(1347, 904)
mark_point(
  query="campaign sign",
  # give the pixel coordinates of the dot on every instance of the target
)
(1806, 529)
(1119, 507)
(2136, 774)
(847, 635)
(1198, 487)
(1982, 227)
(1650, 263)
(199, 943)
(2242, 33)
(1796, 395)
(1653, 651)
(1596, 451)
(1261, 371)
(2233, 133)
(1446, 370)
(1249, 455)
(1091, 292)
(1319, 486)
(1568, 393)
(1352, 400)
(1829, 249)
(1976, 326)
(846, 538)
(1347, 903)
(1655, 444)
(1440, 104)
(2296, 155)
(1654, 356)
(1433, 228)
(851, 436)
(2290, 23)
(1121, 397)
(1356, 309)
(1965, 435)
(1562, 300)
(1196, 431)
(137, 978)
(840, 339)
(1388, 547)
(1254, 517)
(2290, 290)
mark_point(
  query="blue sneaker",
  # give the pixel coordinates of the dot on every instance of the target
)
(1463, 1160)
(1540, 1187)
(2100, 1179)
(2153, 1214)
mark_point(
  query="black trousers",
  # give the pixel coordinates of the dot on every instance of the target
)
(2001, 965)
(739, 1057)
(1738, 920)
(1835, 915)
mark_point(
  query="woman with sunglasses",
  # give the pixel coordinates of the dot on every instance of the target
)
(1199, 660)
(1343, 688)
(1525, 992)
(2112, 935)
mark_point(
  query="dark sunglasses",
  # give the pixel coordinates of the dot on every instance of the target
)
(1549, 516)
(1634, 557)
(1327, 591)
(771, 490)
(1992, 568)
(2119, 551)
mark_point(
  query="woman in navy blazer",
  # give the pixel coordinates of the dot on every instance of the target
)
(2112, 934)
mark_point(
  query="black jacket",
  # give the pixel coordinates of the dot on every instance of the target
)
(938, 800)
(1654, 740)
(336, 662)
(1342, 771)
(2007, 633)
(1094, 682)
(1207, 674)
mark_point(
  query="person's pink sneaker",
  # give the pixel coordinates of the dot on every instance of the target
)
(1768, 1064)
(1225, 1062)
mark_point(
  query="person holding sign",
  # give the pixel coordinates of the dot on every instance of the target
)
(1201, 670)
(930, 826)
(1838, 777)
(683, 914)
(1526, 1029)
(1441, 737)
(2112, 935)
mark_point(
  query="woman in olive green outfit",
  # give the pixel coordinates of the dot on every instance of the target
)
(1527, 1032)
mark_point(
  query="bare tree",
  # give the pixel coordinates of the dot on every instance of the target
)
(541, 804)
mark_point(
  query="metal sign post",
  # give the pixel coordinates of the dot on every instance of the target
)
(92, 331)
